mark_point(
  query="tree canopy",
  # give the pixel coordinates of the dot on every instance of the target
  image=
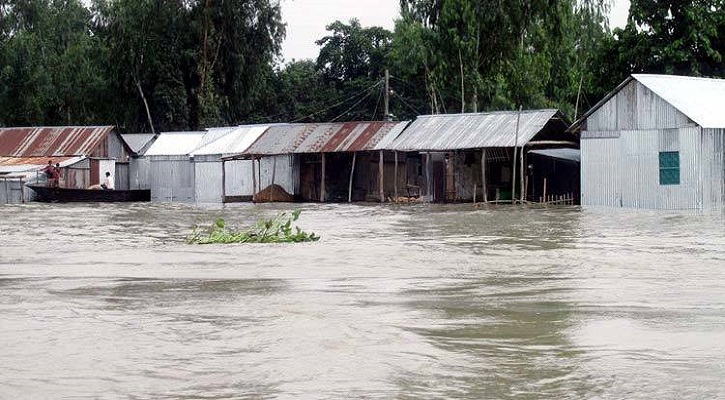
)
(152, 65)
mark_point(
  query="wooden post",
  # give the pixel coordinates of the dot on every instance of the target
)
(380, 175)
(395, 175)
(22, 190)
(474, 192)
(224, 181)
(259, 175)
(322, 186)
(254, 179)
(352, 174)
(544, 189)
(483, 175)
(513, 167)
(274, 170)
(427, 177)
(522, 186)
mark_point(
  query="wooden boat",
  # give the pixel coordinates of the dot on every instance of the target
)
(62, 195)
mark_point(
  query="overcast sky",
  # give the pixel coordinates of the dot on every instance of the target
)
(306, 20)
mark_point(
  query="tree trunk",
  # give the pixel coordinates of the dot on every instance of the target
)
(145, 103)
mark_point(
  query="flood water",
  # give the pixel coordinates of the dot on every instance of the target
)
(394, 302)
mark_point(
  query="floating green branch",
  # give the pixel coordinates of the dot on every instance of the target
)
(276, 230)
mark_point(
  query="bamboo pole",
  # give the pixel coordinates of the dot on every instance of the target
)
(522, 186)
(352, 174)
(254, 179)
(427, 177)
(483, 175)
(513, 167)
(274, 171)
(224, 181)
(380, 175)
(395, 175)
(474, 192)
(544, 189)
(322, 185)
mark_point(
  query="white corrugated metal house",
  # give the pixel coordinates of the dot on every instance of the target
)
(656, 142)
(166, 167)
(217, 181)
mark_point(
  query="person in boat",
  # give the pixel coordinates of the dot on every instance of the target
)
(55, 175)
(48, 172)
(106, 185)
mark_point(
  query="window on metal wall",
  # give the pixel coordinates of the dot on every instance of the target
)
(669, 168)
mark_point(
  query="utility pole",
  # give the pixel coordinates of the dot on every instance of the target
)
(387, 95)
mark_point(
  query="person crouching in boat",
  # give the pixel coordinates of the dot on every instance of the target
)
(106, 185)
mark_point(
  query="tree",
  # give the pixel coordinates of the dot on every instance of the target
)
(52, 70)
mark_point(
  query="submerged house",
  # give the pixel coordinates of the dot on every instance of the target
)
(655, 141)
(488, 157)
(84, 153)
(321, 161)
(166, 167)
(215, 180)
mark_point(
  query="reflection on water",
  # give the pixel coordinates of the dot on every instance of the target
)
(421, 301)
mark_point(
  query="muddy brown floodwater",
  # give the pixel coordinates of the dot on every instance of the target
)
(410, 302)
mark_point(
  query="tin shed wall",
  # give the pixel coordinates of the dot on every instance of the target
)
(623, 171)
(139, 173)
(208, 181)
(172, 180)
(600, 171)
(636, 107)
(713, 168)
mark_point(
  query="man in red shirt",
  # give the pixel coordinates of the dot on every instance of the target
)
(48, 172)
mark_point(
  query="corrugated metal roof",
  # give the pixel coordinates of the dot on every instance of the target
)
(387, 141)
(445, 132)
(229, 141)
(321, 137)
(20, 164)
(175, 143)
(51, 141)
(564, 154)
(215, 133)
(137, 141)
(701, 99)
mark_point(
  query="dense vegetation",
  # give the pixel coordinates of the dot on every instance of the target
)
(153, 65)
(275, 230)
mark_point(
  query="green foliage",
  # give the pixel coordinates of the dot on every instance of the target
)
(275, 230)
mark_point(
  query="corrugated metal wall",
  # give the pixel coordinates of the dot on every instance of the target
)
(11, 191)
(636, 107)
(713, 169)
(122, 177)
(171, 179)
(600, 172)
(139, 173)
(624, 171)
(208, 181)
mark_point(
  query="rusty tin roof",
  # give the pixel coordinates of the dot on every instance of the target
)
(51, 141)
(330, 137)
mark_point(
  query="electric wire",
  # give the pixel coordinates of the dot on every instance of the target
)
(353, 106)
(352, 97)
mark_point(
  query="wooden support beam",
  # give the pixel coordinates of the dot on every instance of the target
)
(274, 170)
(352, 174)
(322, 185)
(428, 188)
(483, 175)
(224, 180)
(254, 179)
(380, 175)
(395, 176)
